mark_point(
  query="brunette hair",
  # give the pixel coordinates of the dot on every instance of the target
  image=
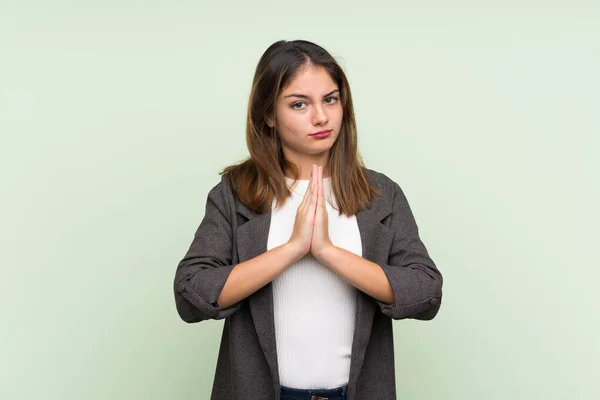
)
(261, 175)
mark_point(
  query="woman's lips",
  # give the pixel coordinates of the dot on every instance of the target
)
(322, 134)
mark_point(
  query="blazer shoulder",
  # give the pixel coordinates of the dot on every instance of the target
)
(222, 186)
(381, 180)
(219, 188)
(221, 194)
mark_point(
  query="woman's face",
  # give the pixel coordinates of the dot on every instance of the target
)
(309, 104)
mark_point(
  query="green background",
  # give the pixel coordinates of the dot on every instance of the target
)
(115, 118)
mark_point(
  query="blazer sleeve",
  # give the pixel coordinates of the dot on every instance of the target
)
(203, 271)
(414, 277)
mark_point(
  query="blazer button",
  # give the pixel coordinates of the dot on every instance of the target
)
(434, 301)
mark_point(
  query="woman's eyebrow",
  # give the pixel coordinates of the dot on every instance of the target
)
(302, 96)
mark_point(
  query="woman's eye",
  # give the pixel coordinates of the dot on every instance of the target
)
(299, 105)
(295, 105)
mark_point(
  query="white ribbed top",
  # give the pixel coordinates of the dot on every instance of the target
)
(314, 308)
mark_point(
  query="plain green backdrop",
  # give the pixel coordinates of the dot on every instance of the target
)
(115, 118)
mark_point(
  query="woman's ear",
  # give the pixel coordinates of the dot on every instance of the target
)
(269, 122)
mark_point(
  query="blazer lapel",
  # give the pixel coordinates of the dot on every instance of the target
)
(376, 238)
(252, 241)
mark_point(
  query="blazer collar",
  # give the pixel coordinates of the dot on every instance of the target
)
(376, 240)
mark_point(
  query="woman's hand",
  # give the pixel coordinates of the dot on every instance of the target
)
(301, 237)
(320, 241)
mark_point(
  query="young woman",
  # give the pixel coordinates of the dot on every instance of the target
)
(307, 254)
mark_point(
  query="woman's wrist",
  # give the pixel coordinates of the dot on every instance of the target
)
(295, 250)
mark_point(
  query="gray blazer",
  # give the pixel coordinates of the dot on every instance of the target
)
(247, 367)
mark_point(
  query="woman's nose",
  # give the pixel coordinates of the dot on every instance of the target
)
(319, 115)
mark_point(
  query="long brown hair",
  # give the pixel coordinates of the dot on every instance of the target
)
(261, 176)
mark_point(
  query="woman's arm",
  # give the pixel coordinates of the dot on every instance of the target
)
(207, 284)
(409, 285)
(361, 273)
(414, 277)
(249, 276)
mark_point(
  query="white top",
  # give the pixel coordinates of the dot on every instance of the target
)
(314, 308)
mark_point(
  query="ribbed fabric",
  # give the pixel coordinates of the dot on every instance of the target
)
(314, 309)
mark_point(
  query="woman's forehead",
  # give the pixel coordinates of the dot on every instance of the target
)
(310, 81)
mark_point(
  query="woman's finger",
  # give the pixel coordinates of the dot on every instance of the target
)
(319, 200)
(306, 198)
(313, 191)
(319, 186)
